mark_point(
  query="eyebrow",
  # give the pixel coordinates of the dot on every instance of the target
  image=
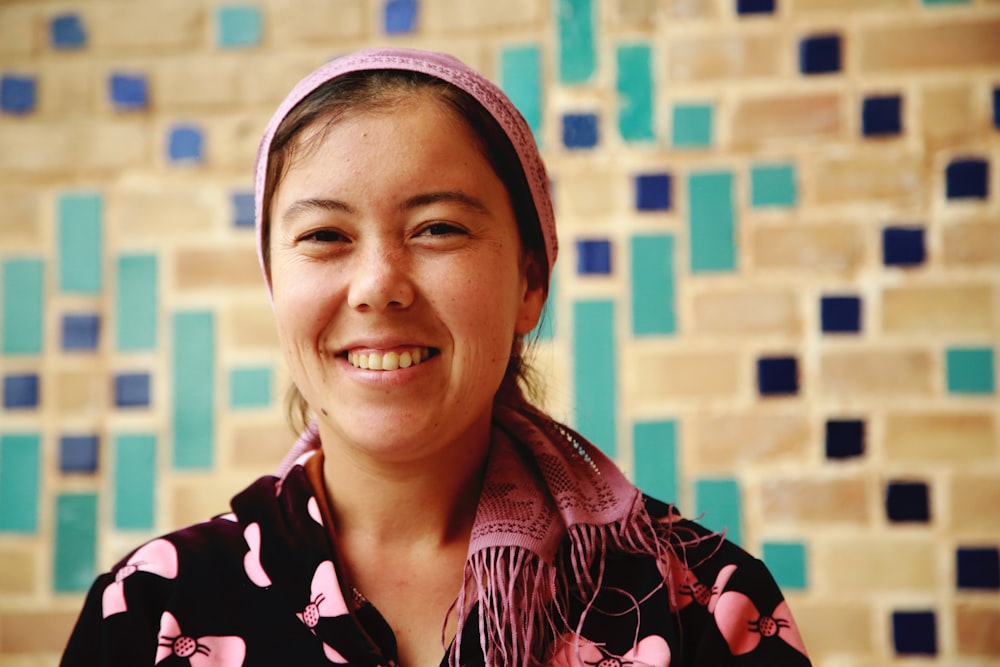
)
(308, 205)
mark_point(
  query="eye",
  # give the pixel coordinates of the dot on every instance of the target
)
(441, 229)
(323, 236)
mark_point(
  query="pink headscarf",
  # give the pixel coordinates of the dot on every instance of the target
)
(444, 67)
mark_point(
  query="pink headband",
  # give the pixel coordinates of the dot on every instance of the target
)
(448, 69)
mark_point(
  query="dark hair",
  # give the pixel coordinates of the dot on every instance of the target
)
(371, 90)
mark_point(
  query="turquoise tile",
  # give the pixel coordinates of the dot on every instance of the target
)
(76, 542)
(194, 389)
(23, 306)
(773, 185)
(20, 475)
(718, 501)
(692, 126)
(80, 241)
(577, 55)
(947, 2)
(653, 307)
(712, 222)
(594, 372)
(136, 303)
(655, 446)
(249, 387)
(521, 79)
(635, 93)
(135, 481)
(970, 370)
(787, 562)
(238, 26)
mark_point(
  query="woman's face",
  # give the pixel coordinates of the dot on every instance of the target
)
(398, 280)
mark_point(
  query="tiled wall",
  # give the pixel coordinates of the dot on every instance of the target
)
(778, 301)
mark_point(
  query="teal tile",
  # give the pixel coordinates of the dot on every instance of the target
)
(594, 360)
(947, 2)
(718, 501)
(652, 266)
(787, 562)
(577, 55)
(635, 93)
(135, 481)
(773, 185)
(136, 303)
(970, 370)
(23, 306)
(20, 477)
(521, 79)
(712, 222)
(249, 387)
(76, 542)
(194, 389)
(80, 241)
(655, 446)
(692, 126)
(238, 26)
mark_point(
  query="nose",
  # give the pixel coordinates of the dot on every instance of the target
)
(380, 279)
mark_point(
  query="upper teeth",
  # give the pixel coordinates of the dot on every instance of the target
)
(388, 361)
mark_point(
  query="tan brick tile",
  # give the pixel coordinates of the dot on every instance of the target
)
(819, 247)
(899, 47)
(153, 24)
(690, 9)
(789, 118)
(35, 632)
(252, 326)
(216, 267)
(315, 21)
(870, 176)
(20, 29)
(890, 372)
(724, 57)
(947, 309)
(977, 626)
(844, 5)
(189, 82)
(661, 374)
(835, 628)
(635, 14)
(70, 88)
(859, 564)
(261, 446)
(146, 207)
(20, 224)
(946, 112)
(819, 501)
(728, 442)
(454, 16)
(975, 502)
(81, 391)
(199, 499)
(745, 312)
(971, 244)
(940, 437)
(17, 571)
(586, 196)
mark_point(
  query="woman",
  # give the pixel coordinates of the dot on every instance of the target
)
(428, 514)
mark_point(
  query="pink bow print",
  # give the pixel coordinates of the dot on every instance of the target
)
(200, 651)
(251, 560)
(325, 600)
(651, 651)
(158, 557)
(743, 626)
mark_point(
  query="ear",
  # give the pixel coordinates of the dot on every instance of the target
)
(533, 298)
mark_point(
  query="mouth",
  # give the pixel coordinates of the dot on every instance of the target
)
(389, 361)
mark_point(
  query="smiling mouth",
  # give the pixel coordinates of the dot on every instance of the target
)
(389, 361)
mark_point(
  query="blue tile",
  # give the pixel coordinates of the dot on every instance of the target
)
(967, 179)
(238, 26)
(135, 481)
(129, 92)
(712, 222)
(719, 500)
(243, 209)
(908, 502)
(577, 51)
(970, 370)
(185, 144)
(22, 299)
(80, 332)
(845, 438)
(635, 93)
(75, 555)
(20, 392)
(653, 192)
(20, 481)
(66, 32)
(193, 389)
(820, 54)
(654, 310)
(78, 453)
(773, 186)
(840, 314)
(881, 116)
(656, 471)
(593, 256)
(521, 79)
(17, 94)
(996, 107)
(754, 6)
(594, 372)
(81, 258)
(787, 562)
(400, 16)
(978, 568)
(903, 246)
(579, 130)
(777, 376)
(914, 632)
(132, 390)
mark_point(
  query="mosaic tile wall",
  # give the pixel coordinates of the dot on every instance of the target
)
(777, 302)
